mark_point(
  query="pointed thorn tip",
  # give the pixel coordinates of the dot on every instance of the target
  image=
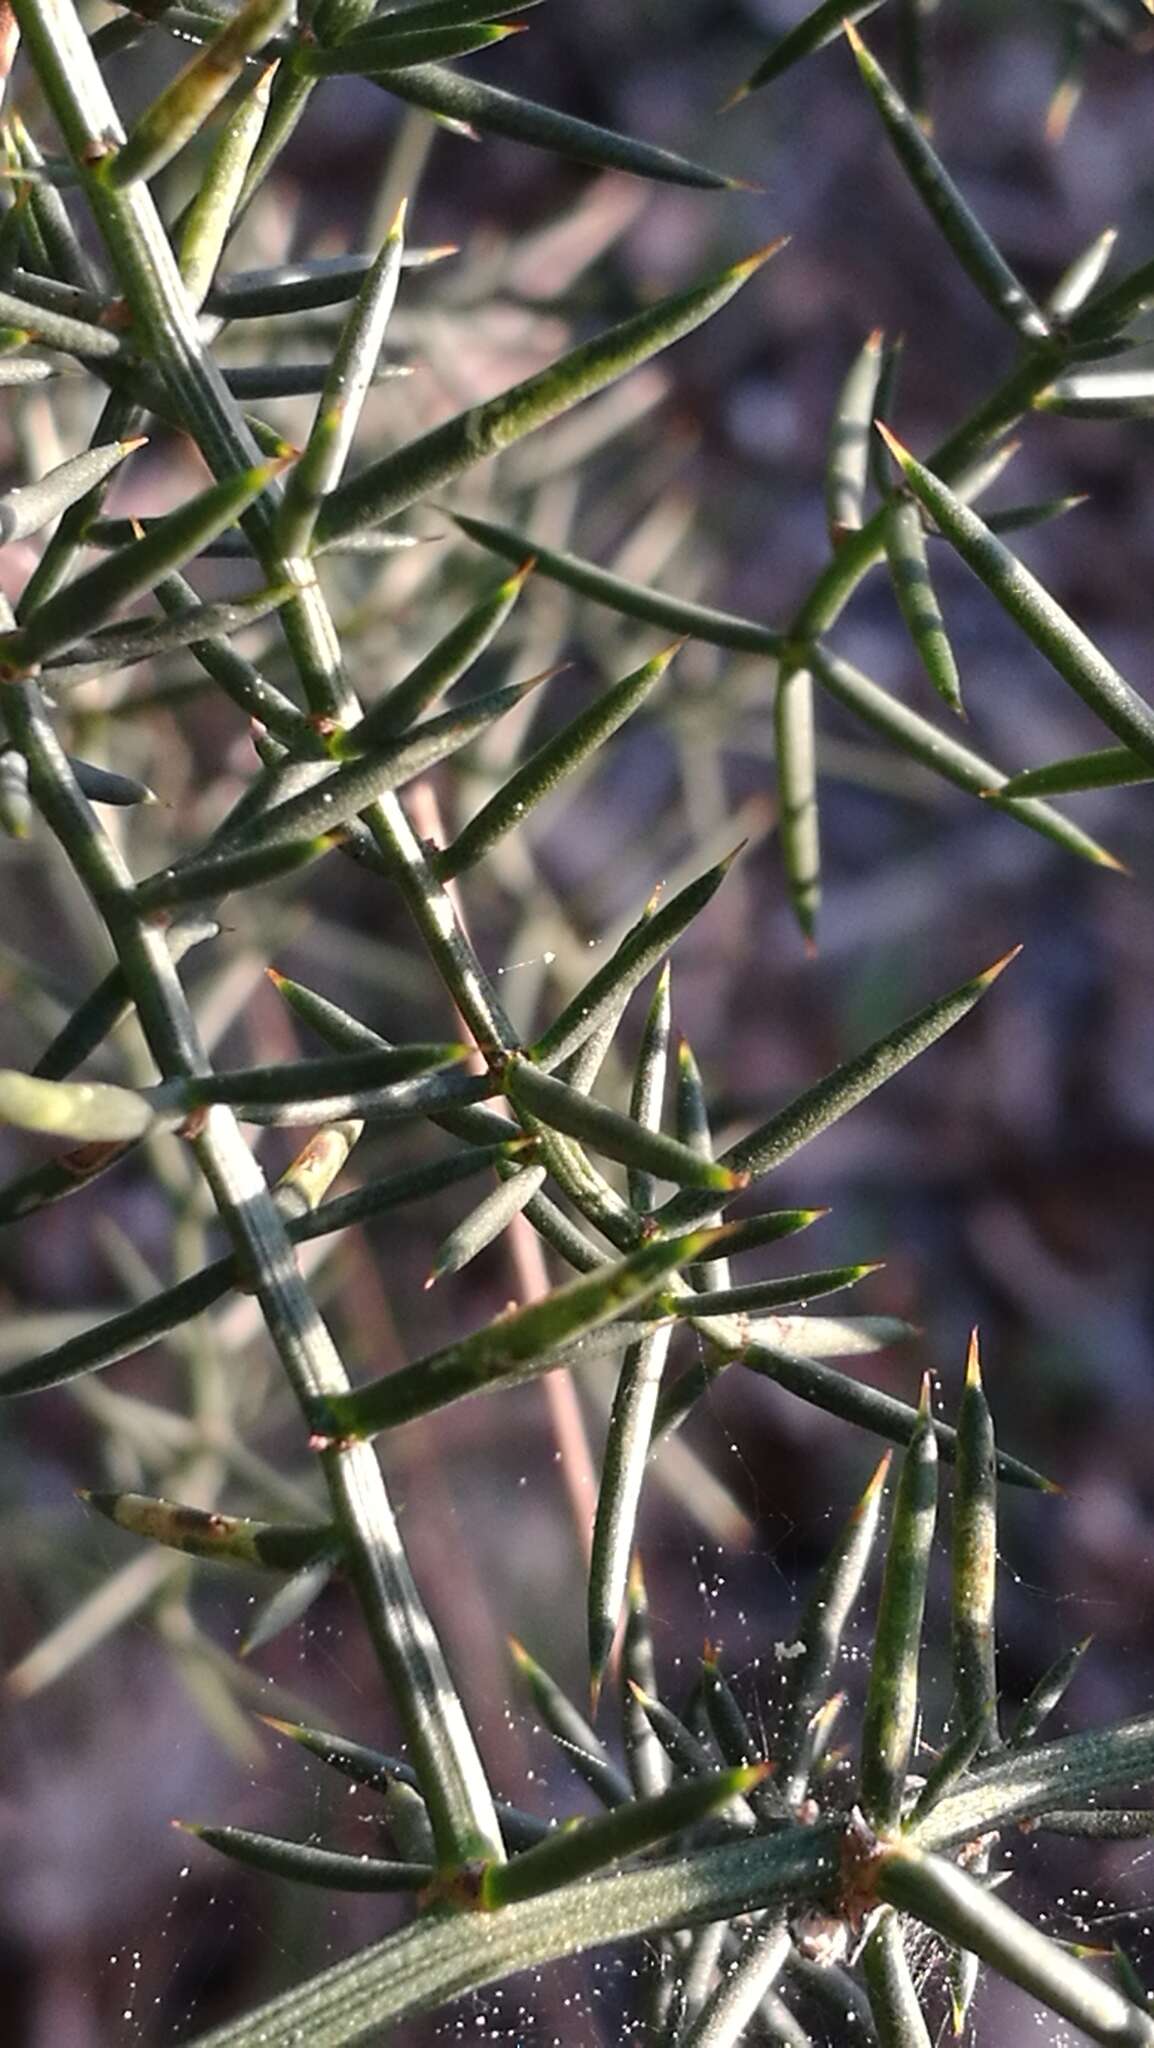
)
(749, 264)
(734, 100)
(999, 966)
(898, 450)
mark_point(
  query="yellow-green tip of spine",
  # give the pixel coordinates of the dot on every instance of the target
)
(897, 449)
(991, 974)
(876, 1482)
(856, 45)
(749, 264)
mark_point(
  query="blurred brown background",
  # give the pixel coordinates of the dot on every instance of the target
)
(1006, 1179)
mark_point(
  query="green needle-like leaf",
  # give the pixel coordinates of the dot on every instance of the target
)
(48, 230)
(287, 1607)
(763, 1297)
(513, 1348)
(892, 1699)
(116, 647)
(58, 327)
(943, 755)
(731, 1730)
(445, 452)
(1107, 313)
(822, 25)
(206, 227)
(949, 1770)
(1018, 518)
(1082, 276)
(642, 949)
(373, 1768)
(1100, 395)
(693, 1129)
(650, 1072)
(855, 1401)
(963, 1967)
(781, 1348)
(581, 1746)
(379, 56)
(106, 786)
(635, 1397)
(820, 1632)
(30, 506)
(453, 96)
(247, 688)
(1029, 604)
(975, 1559)
(745, 1985)
(411, 14)
(275, 1546)
(347, 386)
(690, 1756)
(848, 458)
(217, 875)
(796, 758)
(454, 653)
(931, 181)
(1109, 768)
(1050, 1690)
(84, 604)
(885, 402)
(548, 1101)
(549, 765)
(386, 1102)
(294, 380)
(966, 1913)
(648, 1765)
(299, 287)
(828, 1100)
(909, 567)
(631, 600)
(185, 105)
(486, 1222)
(305, 1080)
(894, 2002)
(595, 1844)
(305, 1863)
(1128, 1980)
(751, 1232)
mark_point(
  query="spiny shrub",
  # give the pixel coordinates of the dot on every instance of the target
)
(787, 1869)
